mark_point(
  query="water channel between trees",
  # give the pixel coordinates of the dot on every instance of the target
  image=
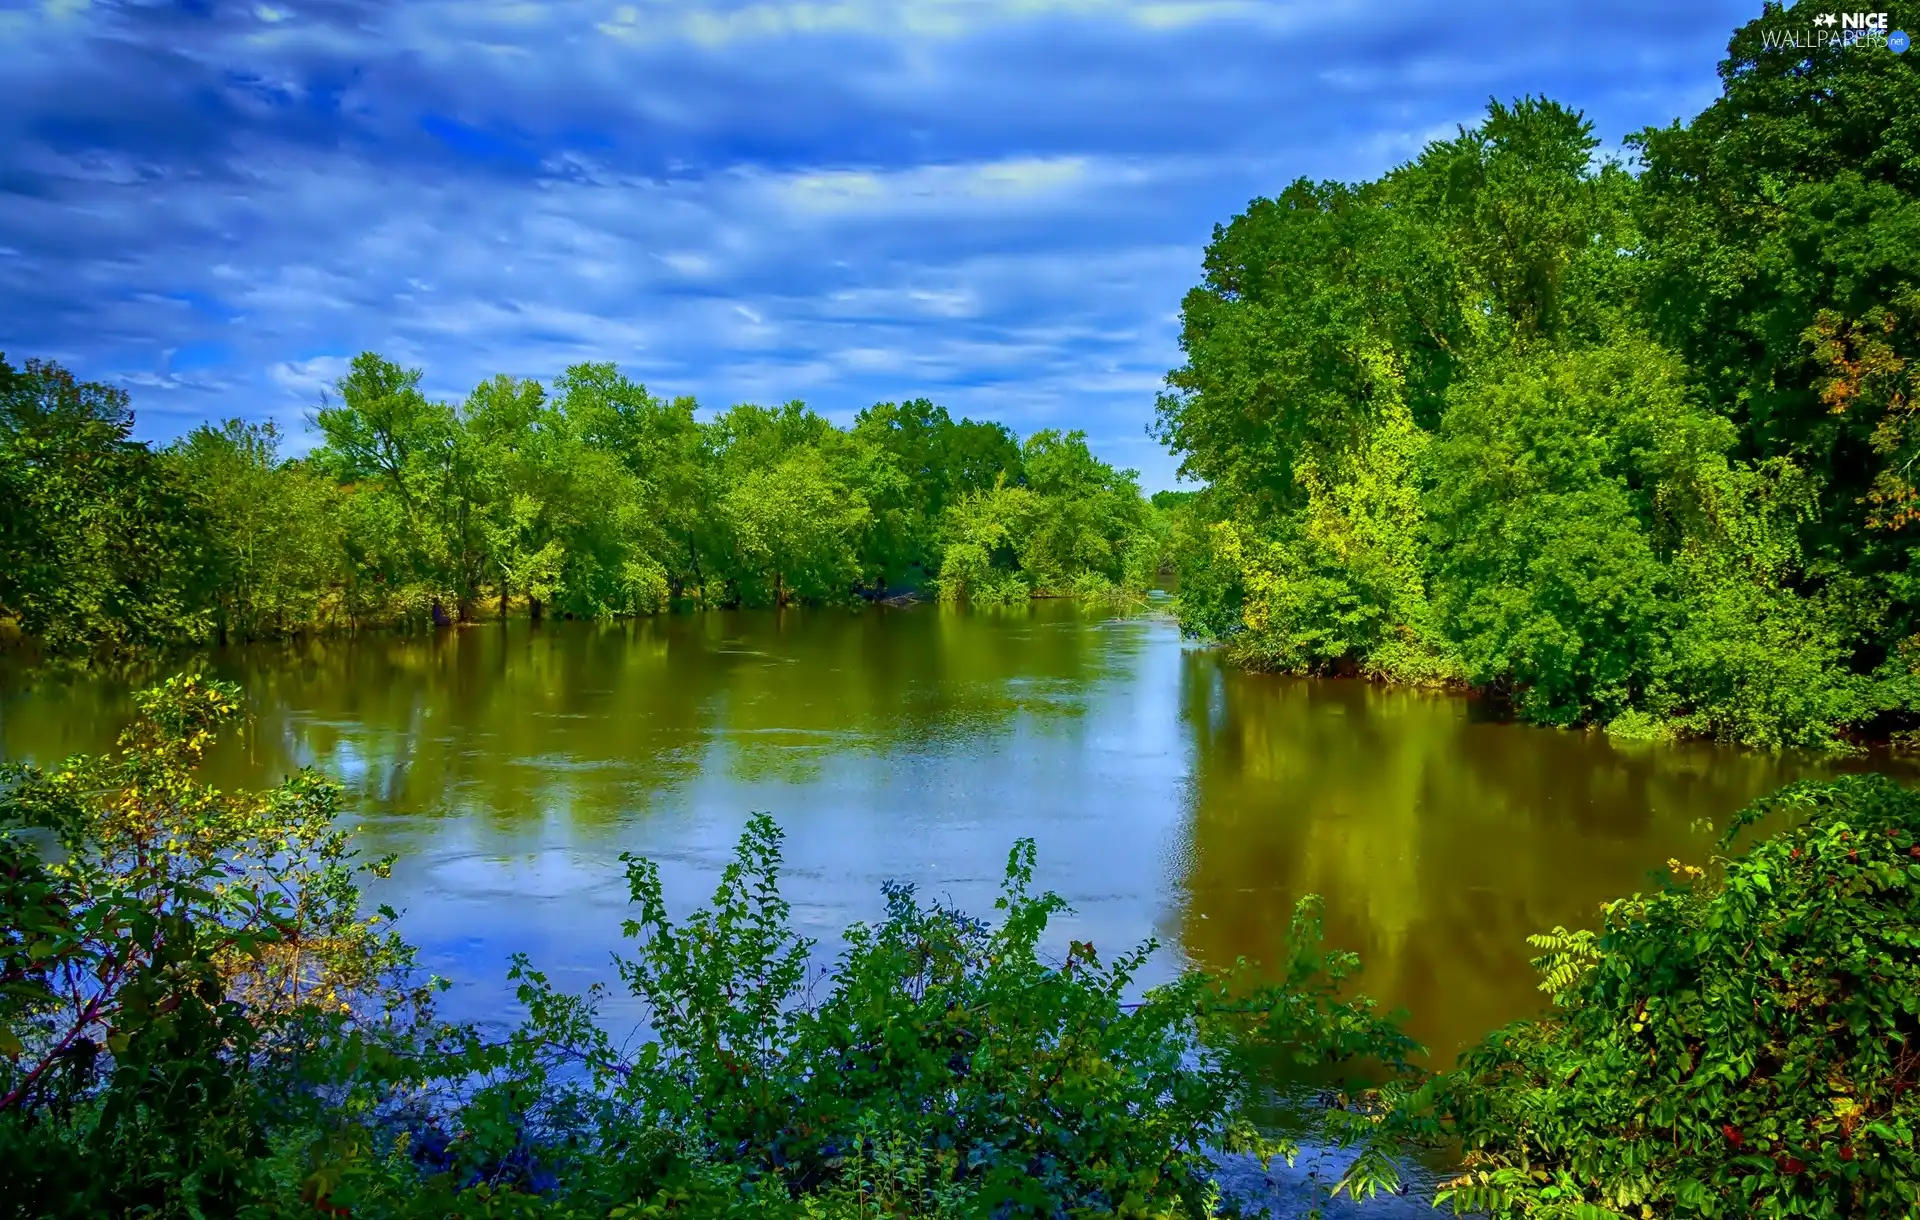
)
(1170, 796)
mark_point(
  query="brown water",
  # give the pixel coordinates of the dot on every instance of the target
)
(1170, 796)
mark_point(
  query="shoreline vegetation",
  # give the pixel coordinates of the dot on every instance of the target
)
(199, 1018)
(1629, 444)
(588, 499)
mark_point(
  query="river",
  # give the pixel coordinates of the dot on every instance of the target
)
(1170, 796)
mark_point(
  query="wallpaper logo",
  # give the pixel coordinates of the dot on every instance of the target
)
(1837, 29)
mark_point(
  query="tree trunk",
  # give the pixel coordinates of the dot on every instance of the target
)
(534, 608)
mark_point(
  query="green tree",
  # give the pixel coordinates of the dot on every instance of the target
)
(101, 548)
(796, 527)
(984, 534)
(664, 529)
(1085, 517)
(274, 550)
(1781, 262)
(1440, 444)
(387, 442)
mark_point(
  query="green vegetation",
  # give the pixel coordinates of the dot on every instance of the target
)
(1745, 1045)
(591, 499)
(1628, 448)
(198, 1021)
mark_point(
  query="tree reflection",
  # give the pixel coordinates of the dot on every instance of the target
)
(1439, 837)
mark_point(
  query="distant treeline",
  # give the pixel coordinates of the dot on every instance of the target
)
(1630, 445)
(589, 498)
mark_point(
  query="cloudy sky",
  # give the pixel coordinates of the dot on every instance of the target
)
(993, 203)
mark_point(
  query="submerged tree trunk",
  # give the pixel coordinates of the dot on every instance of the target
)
(534, 608)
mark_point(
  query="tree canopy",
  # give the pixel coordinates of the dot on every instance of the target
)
(588, 497)
(1628, 443)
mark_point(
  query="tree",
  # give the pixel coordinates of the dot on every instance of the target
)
(665, 527)
(1781, 263)
(795, 528)
(101, 548)
(1441, 441)
(387, 441)
(274, 551)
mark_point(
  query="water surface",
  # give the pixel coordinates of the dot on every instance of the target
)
(511, 765)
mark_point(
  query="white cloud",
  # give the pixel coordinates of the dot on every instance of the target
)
(308, 377)
(689, 263)
(712, 26)
(933, 187)
(881, 304)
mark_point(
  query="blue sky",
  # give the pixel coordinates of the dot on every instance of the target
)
(997, 204)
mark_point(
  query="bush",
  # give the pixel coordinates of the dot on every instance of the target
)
(168, 953)
(198, 1022)
(947, 1065)
(1749, 1047)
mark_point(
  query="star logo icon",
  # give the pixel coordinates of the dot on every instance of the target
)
(1824, 19)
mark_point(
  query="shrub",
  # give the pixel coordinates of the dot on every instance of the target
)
(1745, 1047)
(165, 948)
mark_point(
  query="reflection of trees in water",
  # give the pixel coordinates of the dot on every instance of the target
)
(506, 722)
(807, 687)
(1439, 838)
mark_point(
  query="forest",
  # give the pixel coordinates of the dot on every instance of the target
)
(1628, 443)
(587, 499)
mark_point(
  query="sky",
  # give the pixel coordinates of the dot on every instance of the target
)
(995, 204)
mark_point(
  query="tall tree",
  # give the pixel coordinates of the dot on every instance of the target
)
(101, 548)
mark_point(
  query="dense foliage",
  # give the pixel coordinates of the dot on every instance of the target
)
(1745, 1046)
(590, 498)
(198, 1022)
(98, 541)
(164, 947)
(1630, 445)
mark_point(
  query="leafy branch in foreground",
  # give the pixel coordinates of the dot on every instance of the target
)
(163, 943)
(952, 1051)
(1748, 1047)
